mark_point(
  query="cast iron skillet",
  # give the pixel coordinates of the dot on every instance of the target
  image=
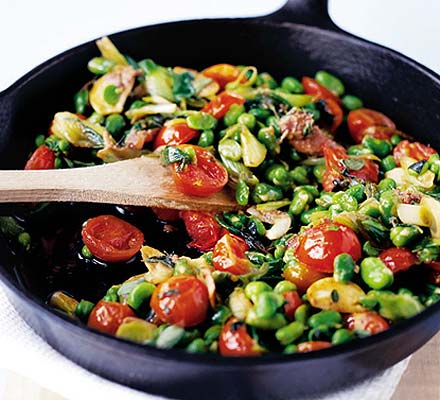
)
(299, 40)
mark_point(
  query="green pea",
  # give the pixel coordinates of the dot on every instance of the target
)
(380, 148)
(139, 294)
(112, 294)
(58, 163)
(111, 94)
(81, 100)
(242, 192)
(247, 119)
(196, 346)
(345, 201)
(201, 121)
(351, 102)
(39, 140)
(292, 85)
(260, 113)
(272, 323)
(344, 268)
(289, 333)
(396, 139)
(358, 150)
(403, 235)
(330, 82)
(388, 163)
(307, 215)
(96, 118)
(299, 202)
(255, 288)
(342, 336)
(325, 200)
(357, 191)
(86, 253)
(267, 304)
(273, 122)
(302, 313)
(386, 184)
(290, 349)
(231, 117)
(64, 146)
(114, 123)
(300, 175)
(100, 65)
(388, 203)
(320, 333)
(83, 309)
(230, 149)
(370, 250)
(284, 286)
(264, 192)
(370, 207)
(137, 104)
(25, 240)
(318, 172)
(268, 138)
(266, 80)
(375, 273)
(327, 318)
(206, 138)
(221, 315)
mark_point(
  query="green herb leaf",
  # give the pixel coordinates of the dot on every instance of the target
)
(182, 86)
(172, 155)
(354, 164)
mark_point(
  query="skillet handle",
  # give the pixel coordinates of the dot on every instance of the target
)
(306, 12)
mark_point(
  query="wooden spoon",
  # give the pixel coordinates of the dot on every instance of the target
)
(138, 182)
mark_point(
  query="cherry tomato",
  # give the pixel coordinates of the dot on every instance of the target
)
(359, 120)
(174, 134)
(166, 214)
(368, 321)
(379, 132)
(314, 88)
(302, 276)
(111, 239)
(234, 340)
(415, 150)
(398, 258)
(42, 158)
(203, 229)
(181, 300)
(219, 106)
(229, 255)
(202, 177)
(106, 316)
(318, 246)
(293, 301)
(222, 73)
(435, 265)
(306, 347)
(333, 108)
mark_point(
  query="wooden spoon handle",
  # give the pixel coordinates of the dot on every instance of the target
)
(140, 182)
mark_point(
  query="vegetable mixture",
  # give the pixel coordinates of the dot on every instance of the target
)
(340, 210)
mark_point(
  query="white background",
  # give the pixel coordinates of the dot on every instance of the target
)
(34, 30)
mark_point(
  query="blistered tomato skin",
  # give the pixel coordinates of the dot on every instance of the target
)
(306, 347)
(175, 134)
(398, 258)
(107, 316)
(367, 321)
(234, 340)
(182, 300)
(415, 150)
(203, 229)
(222, 73)
(42, 158)
(361, 119)
(219, 106)
(314, 88)
(317, 247)
(229, 255)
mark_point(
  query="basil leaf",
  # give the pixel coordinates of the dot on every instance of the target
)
(182, 86)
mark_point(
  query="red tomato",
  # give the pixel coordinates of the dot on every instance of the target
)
(368, 321)
(306, 347)
(302, 276)
(333, 108)
(222, 73)
(174, 134)
(379, 132)
(398, 258)
(202, 177)
(181, 300)
(317, 247)
(203, 229)
(229, 255)
(435, 265)
(106, 316)
(314, 88)
(166, 214)
(219, 106)
(293, 301)
(111, 239)
(415, 150)
(42, 158)
(363, 118)
(234, 340)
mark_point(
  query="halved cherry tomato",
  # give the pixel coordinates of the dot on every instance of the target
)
(229, 255)
(182, 300)
(222, 73)
(174, 134)
(368, 321)
(415, 150)
(379, 132)
(302, 276)
(203, 228)
(435, 265)
(333, 108)
(306, 347)
(398, 258)
(234, 340)
(42, 158)
(361, 119)
(166, 214)
(314, 88)
(111, 239)
(318, 246)
(293, 301)
(202, 177)
(219, 106)
(106, 316)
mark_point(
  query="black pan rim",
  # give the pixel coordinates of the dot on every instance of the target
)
(213, 359)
